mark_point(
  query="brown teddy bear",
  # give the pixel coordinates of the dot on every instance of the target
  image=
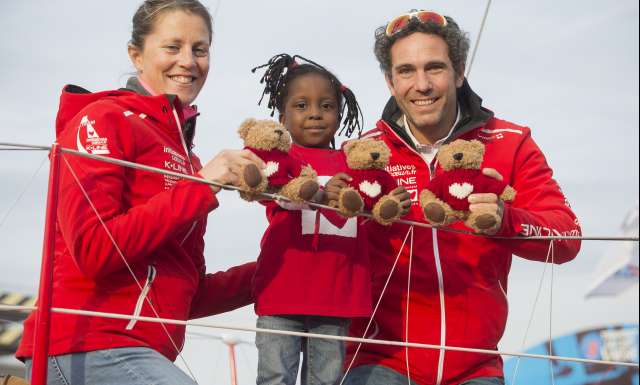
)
(283, 174)
(370, 185)
(445, 200)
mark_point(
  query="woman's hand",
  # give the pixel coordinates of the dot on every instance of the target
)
(225, 167)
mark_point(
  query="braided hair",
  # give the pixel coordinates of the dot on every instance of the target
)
(282, 69)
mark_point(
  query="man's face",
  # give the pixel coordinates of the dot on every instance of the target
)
(423, 81)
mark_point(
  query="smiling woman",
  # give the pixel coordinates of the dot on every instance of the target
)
(131, 241)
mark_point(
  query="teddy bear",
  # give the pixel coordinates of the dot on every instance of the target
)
(283, 174)
(444, 201)
(370, 185)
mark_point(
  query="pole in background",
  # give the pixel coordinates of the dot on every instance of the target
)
(231, 341)
(43, 313)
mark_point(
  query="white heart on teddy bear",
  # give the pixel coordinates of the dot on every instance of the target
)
(460, 191)
(271, 168)
(371, 189)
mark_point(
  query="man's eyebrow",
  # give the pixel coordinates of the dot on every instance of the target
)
(404, 66)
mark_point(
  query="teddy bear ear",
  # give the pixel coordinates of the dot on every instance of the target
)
(477, 146)
(244, 128)
(349, 145)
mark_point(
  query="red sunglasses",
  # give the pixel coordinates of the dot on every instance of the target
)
(398, 23)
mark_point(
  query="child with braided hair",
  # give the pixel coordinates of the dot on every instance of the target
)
(313, 269)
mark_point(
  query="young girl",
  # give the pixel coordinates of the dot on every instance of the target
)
(313, 269)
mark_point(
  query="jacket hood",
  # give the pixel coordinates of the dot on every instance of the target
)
(135, 99)
(472, 114)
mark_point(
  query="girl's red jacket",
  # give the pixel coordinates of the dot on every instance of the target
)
(313, 262)
(459, 283)
(156, 221)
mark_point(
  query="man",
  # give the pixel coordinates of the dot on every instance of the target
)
(458, 282)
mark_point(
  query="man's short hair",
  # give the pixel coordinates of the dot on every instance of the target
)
(456, 39)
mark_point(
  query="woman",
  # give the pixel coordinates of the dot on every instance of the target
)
(114, 222)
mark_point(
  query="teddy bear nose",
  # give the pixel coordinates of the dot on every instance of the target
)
(375, 155)
(457, 156)
(279, 132)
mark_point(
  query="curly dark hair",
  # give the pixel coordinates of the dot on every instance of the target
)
(283, 69)
(456, 39)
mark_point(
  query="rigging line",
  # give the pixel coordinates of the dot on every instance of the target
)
(533, 310)
(375, 309)
(24, 190)
(106, 229)
(22, 149)
(317, 205)
(324, 336)
(475, 47)
(406, 350)
(553, 378)
(26, 146)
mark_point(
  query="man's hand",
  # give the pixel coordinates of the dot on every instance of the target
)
(405, 199)
(487, 203)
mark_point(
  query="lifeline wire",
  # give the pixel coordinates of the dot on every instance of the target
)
(325, 336)
(317, 205)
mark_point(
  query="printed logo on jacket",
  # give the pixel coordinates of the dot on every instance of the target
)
(89, 140)
(405, 176)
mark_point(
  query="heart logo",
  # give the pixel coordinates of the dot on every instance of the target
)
(370, 189)
(271, 168)
(460, 191)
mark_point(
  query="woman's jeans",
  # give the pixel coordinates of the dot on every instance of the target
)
(134, 366)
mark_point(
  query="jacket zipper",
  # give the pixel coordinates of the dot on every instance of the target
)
(436, 255)
(151, 276)
(186, 151)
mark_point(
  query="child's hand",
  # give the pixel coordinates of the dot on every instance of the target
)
(404, 197)
(334, 185)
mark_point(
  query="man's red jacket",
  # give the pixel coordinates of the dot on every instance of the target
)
(156, 221)
(459, 282)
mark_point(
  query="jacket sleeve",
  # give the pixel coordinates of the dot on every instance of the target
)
(540, 208)
(137, 231)
(224, 291)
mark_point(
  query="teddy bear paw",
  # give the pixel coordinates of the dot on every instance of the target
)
(252, 176)
(350, 202)
(435, 213)
(308, 190)
(386, 210)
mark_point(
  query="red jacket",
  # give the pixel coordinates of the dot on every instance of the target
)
(459, 282)
(156, 221)
(313, 262)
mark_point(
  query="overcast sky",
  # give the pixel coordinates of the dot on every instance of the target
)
(568, 69)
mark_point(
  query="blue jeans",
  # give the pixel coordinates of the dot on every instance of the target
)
(279, 355)
(134, 366)
(381, 375)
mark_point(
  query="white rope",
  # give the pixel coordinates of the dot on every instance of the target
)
(325, 336)
(113, 241)
(475, 47)
(317, 205)
(553, 378)
(406, 339)
(533, 310)
(375, 309)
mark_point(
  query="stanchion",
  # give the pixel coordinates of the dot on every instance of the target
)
(43, 313)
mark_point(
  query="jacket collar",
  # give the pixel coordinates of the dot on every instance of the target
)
(472, 115)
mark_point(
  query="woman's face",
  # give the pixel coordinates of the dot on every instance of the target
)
(175, 56)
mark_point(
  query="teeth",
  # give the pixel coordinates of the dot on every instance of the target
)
(182, 79)
(422, 102)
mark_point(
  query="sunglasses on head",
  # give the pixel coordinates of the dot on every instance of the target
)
(398, 23)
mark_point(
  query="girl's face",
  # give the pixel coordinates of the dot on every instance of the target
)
(311, 111)
(175, 56)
